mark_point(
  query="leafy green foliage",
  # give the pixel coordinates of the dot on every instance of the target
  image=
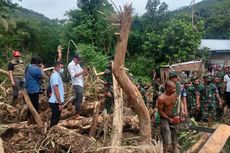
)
(157, 37)
(92, 56)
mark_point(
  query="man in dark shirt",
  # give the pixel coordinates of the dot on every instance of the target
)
(16, 74)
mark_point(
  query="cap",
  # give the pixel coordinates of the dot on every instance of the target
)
(76, 55)
(187, 81)
(193, 78)
(172, 74)
(208, 76)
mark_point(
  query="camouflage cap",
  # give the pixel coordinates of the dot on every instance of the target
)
(208, 76)
(193, 78)
(172, 74)
(187, 81)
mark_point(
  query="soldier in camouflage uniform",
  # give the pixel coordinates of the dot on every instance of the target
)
(16, 73)
(108, 84)
(142, 91)
(156, 87)
(191, 98)
(219, 85)
(207, 98)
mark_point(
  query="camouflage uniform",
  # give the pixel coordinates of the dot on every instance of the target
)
(191, 101)
(109, 100)
(207, 94)
(143, 92)
(156, 87)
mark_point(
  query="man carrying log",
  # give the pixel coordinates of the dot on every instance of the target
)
(16, 74)
(165, 105)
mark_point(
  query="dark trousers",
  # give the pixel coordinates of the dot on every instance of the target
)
(78, 97)
(34, 98)
(56, 113)
(228, 99)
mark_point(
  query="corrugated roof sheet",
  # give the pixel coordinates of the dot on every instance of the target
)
(215, 44)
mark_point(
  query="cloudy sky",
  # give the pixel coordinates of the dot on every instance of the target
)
(57, 8)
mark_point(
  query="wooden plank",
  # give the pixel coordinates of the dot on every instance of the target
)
(217, 140)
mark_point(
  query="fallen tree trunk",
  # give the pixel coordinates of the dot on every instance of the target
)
(71, 140)
(116, 136)
(93, 127)
(32, 109)
(3, 72)
(217, 140)
(134, 96)
(87, 110)
(130, 123)
(6, 73)
(199, 144)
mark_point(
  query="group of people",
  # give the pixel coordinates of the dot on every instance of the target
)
(31, 77)
(193, 97)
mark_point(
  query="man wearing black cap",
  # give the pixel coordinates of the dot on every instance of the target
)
(76, 74)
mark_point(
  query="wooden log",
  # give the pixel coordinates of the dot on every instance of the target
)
(130, 123)
(32, 109)
(133, 94)
(1, 146)
(3, 72)
(117, 128)
(217, 140)
(6, 73)
(48, 69)
(71, 140)
(93, 127)
(198, 145)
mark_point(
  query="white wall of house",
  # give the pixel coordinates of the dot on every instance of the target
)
(220, 58)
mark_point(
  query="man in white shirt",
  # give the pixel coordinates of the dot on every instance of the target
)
(227, 88)
(76, 74)
(57, 95)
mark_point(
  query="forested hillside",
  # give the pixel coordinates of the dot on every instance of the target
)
(216, 14)
(28, 31)
(157, 37)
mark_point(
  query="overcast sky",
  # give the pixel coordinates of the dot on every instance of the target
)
(57, 8)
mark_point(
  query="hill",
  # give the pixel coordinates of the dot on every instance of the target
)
(215, 13)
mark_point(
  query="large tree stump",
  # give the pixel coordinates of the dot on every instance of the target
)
(32, 109)
(116, 135)
(134, 97)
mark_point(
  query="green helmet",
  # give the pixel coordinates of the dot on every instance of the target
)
(172, 74)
